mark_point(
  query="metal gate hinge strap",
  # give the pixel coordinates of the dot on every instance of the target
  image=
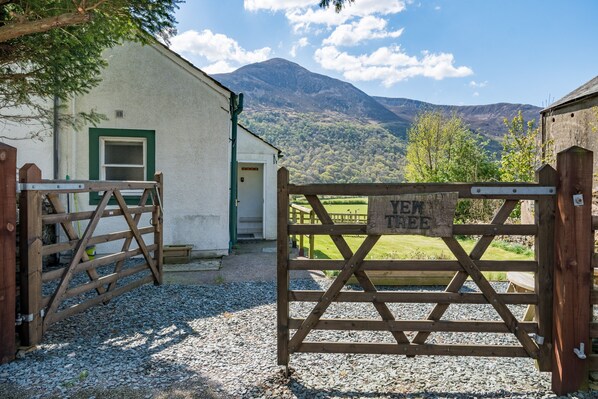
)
(540, 190)
(51, 186)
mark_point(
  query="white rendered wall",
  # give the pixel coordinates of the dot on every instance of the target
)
(253, 150)
(190, 115)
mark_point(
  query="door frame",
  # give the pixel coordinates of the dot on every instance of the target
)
(263, 164)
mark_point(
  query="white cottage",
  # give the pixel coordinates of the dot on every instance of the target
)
(166, 115)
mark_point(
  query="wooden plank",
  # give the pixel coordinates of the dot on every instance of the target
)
(77, 256)
(72, 235)
(544, 213)
(328, 297)
(138, 238)
(573, 271)
(491, 295)
(594, 222)
(416, 265)
(96, 185)
(101, 239)
(8, 243)
(593, 360)
(30, 217)
(594, 297)
(516, 298)
(412, 349)
(108, 279)
(429, 214)
(458, 229)
(415, 325)
(94, 264)
(594, 330)
(99, 299)
(360, 275)
(55, 218)
(282, 268)
(127, 244)
(364, 190)
(460, 277)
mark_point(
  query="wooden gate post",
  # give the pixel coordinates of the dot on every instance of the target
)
(282, 274)
(158, 221)
(8, 243)
(30, 211)
(573, 271)
(544, 248)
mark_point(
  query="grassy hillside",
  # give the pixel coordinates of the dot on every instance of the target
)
(329, 147)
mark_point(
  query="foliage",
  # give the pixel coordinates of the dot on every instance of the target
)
(522, 151)
(54, 48)
(338, 4)
(443, 149)
(330, 148)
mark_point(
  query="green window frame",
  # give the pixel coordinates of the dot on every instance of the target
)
(95, 142)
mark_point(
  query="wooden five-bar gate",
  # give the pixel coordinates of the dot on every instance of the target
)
(559, 336)
(46, 294)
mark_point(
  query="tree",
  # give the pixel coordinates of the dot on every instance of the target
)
(53, 48)
(442, 149)
(523, 152)
(338, 4)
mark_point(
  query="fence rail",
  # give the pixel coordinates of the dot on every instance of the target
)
(48, 295)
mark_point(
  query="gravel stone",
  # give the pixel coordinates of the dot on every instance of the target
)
(219, 341)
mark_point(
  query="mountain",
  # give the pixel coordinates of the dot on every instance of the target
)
(281, 84)
(484, 119)
(330, 131)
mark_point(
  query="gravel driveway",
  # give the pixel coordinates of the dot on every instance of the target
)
(219, 341)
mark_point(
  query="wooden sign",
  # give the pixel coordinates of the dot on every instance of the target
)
(416, 214)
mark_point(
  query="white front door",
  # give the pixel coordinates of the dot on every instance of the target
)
(250, 213)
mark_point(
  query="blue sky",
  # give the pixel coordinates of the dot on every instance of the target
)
(439, 51)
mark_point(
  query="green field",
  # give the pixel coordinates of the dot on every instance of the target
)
(412, 247)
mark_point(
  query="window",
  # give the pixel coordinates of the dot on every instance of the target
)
(121, 154)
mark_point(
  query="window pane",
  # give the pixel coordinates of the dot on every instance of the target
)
(124, 173)
(123, 152)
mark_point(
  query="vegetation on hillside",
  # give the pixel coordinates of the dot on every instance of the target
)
(330, 148)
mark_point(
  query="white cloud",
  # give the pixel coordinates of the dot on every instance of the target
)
(217, 48)
(475, 84)
(476, 94)
(303, 42)
(304, 13)
(366, 28)
(437, 8)
(389, 65)
(276, 5)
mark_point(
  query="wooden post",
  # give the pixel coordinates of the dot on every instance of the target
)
(312, 237)
(573, 270)
(8, 243)
(158, 222)
(294, 221)
(282, 274)
(301, 221)
(544, 247)
(30, 211)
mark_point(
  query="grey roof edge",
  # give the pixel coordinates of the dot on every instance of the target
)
(582, 92)
(261, 139)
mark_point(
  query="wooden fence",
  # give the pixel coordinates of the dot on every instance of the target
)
(48, 295)
(562, 232)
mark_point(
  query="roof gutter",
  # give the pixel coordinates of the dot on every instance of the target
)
(236, 106)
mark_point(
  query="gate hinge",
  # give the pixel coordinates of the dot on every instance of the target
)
(28, 318)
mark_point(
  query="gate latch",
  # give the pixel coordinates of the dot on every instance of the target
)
(580, 351)
(578, 199)
(539, 339)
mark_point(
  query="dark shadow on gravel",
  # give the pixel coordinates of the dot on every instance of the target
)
(301, 391)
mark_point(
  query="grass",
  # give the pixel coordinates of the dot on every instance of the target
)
(412, 247)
